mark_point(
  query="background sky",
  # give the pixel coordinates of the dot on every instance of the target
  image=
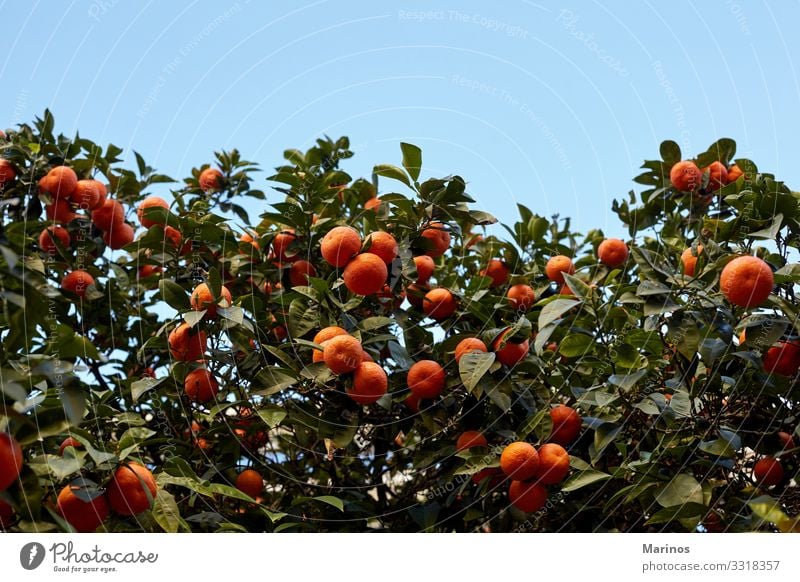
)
(554, 105)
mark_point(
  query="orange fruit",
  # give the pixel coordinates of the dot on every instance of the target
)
(492, 473)
(557, 266)
(783, 358)
(186, 344)
(768, 472)
(248, 430)
(369, 383)
(497, 271)
(511, 353)
(69, 442)
(211, 179)
(48, 236)
(415, 293)
(109, 214)
(382, 244)
(521, 296)
(88, 194)
(150, 202)
(717, 176)
(119, 235)
(685, 176)
(10, 460)
(473, 240)
(566, 425)
(60, 211)
(786, 440)
(439, 304)
(202, 298)
(553, 464)
(6, 515)
(425, 267)
(689, 260)
(200, 385)
(519, 460)
(467, 345)
(249, 238)
(527, 497)
(339, 245)
(327, 333)
(173, 237)
(342, 354)
(250, 482)
(612, 252)
(438, 239)
(373, 204)
(77, 282)
(734, 172)
(282, 242)
(365, 274)
(83, 516)
(148, 271)
(412, 401)
(7, 172)
(60, 181)
(746, 281)
(132, 489)
(426, 379)
(470, 438)
(300, 271)
(192, 433)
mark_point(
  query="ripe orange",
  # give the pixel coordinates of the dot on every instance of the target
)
(109, 214)
(7, 172)
(69, 442)
(132, 489)
(365, 274)
(340, 245)
(10, 460)
(83, 516)
(250, 482)
(173, 237)
(425, 267)
(497, 271)
(717, 176)
(200, 385)
(689, 260)
(734, 173)
(373, 204)
(211, 179)
(521, 296)
(186, 344)
(473, 240)
(150, 202)
(202, 298)
(87, 194)
(566, 425)
(439, 304)
(511, 353)
(786, 440)
(469, 439)
(783, 358)
(557, 266)
(415, 293)
(412, 401)
(61, 181)
(467, 345)
(526, 496)
(612, 252)
(685, 176)
(746, 281)
(438, 239)
(553, 464)
(370, 383)
(300, 271)
(248, 237)
(327, 333)
(192, 434)
(342, 354)
(382, 244)
(768, 472)
(519, 460)
(282, 242)
(426, 379)
(6, 515)
(119, 235)
(48, 236)
(249, 431)
(77, 282)
(60, 211)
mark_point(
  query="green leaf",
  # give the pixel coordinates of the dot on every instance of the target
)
(412, 159)
(272, 415)
(302, 318)
(556, 309)
(74, 401)
(393, 172)
(328, 499)
(768, 510)
(143, 386)
(576, 344)
(271, 380)
(173, 294)
(682, 489)
(627, 381)
(682, 511)
(584, 478)
(473, 366)
(167, 514)
(670, 152)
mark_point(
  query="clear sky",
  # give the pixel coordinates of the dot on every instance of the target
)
(552, 105)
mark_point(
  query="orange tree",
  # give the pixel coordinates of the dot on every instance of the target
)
(363, 360)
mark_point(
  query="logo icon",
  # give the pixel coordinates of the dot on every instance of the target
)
(31, 555)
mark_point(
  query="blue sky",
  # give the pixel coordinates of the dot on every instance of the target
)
(552, 105)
